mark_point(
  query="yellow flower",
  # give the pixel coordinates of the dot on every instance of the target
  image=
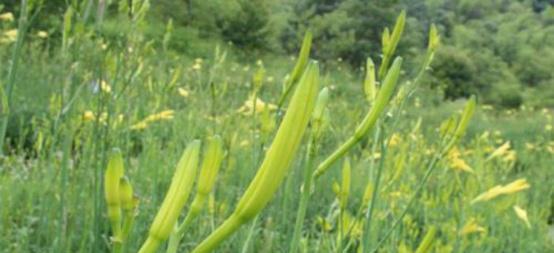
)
(248, 108)
(42, 34)
(471, 227)
(522, 214)
(163, 115)
(394, 140)
(89, 116)
(513, 187)
(456, 162)
(500, 151)
(8, 17)
(9, 36)
(530, 146)
(183, 92)
(105, 87)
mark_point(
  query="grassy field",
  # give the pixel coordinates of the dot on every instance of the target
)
(401, 187)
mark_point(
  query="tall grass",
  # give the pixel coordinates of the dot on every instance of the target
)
(273, 155)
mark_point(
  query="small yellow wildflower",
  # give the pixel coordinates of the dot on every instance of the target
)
(471, 227)
(247, 108)
(394, 140)
(9, 36)
(513, 187)
(458, 163)
(88, 116)
(163, 115)
(500, 151)
(42, 34)
(8, 17)
(183, 92)
(105, 87)
(522, 214)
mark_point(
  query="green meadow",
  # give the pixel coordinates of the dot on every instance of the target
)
(276, 126)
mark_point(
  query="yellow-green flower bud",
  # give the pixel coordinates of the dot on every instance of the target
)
(391, 42)
(434, 38)
(385, 40)
(427, 242)
(211, 163)
(469, 109)
(299, 68)
(303, 58)
(383, 98)
(126, 194)
(370, 86)
(277, 160)
(112, 177)
(175, 198)
(318, 117)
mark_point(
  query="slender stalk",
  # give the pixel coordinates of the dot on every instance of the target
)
(305, 198)
(430, 168)
(176, 236)
(224, 231)
(12, 71)
(376, 181)
(248, 240)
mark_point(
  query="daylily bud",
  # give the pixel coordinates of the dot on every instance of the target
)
(383, 98)
(319, 112)
(174, 200)
(427, 242)
(112, 177)
(434, 38)
(277, 160)
(299, 68)
(370, 87)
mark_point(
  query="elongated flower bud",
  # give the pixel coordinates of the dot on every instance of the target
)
(385, 40)
(427, 242)
(174, 200)
(128, 205)
(383, 98)
(277, 160)
(303, 58)
(391, 42)
(397, 31)
(370, 87)
(434, 38)
(112, 177)
(299, 68)
(210, 166)
(319, 112)
(126, 194)
(469, 109)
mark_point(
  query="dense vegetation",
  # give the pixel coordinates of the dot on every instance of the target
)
(102, 97)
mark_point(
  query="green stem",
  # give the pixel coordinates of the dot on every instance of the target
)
(150, 245)
(218, 236)
(376, 180)
(307, 186)
(246, 244)
(423, 182)
(176, 236)
(22, 27)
